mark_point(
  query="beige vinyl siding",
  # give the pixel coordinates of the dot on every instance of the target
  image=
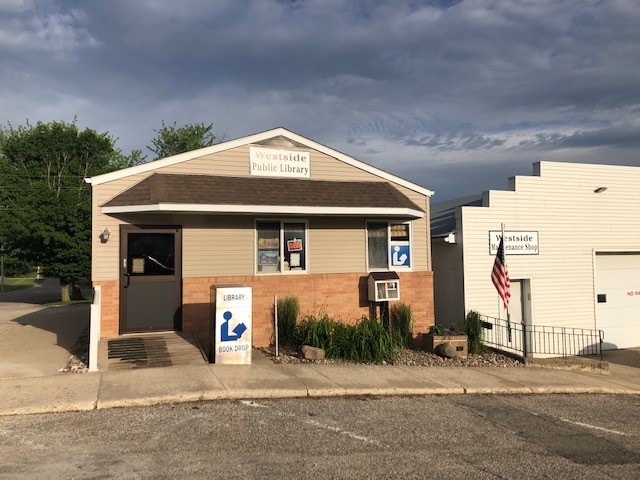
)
(337, 245)
(420, 229)
(203, 251)
(105, 256)
(217, 246)
(572, 222)
(235, 162)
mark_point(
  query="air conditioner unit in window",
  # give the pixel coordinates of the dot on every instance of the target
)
(383, 286)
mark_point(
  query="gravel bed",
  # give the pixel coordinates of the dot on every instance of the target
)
(79, 359)
(406, 357)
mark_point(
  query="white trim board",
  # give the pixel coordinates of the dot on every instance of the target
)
(220, 147)
(264, 209)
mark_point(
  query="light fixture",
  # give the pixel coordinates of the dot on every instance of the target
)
(599, 189)
(104, 236)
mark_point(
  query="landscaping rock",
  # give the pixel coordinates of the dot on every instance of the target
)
(407, 357)
(312, 353)
(446, 350)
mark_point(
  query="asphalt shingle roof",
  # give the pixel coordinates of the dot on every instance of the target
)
(220, 190)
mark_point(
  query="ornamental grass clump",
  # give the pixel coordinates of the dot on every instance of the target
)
(473, 328)
(367, 341)
(401, 322)
(288, 311)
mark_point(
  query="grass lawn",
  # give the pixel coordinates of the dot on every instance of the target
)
(11, 284)
(64, 304)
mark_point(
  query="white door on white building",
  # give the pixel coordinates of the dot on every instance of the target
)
(618, 299)
(515, 303)
(520, 302)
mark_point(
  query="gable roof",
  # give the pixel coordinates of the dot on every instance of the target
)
(208, 193)
(251, 139)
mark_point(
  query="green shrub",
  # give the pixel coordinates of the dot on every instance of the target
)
(288, 311)
(367, 341)
(401, 322)
(443, 331)
(473, 327)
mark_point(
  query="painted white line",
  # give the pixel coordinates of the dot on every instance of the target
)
(251, 403)
(595, 427)
(315, 423)
(349, 434)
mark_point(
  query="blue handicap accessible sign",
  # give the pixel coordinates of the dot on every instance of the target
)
(239, 329)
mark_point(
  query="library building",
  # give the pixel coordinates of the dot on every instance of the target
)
(269, 214)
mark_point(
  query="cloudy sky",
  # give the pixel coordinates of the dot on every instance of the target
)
(453, 95)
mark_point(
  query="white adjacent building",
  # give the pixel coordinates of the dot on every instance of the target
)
(572, 250)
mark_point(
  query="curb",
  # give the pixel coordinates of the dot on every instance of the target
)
(296, 393)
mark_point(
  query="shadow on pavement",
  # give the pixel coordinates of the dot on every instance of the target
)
(65, 323)
(629, 357)
(36, 340)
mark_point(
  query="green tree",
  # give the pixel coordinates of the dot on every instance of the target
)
(45, 208)
(125, 161)
(172, 140)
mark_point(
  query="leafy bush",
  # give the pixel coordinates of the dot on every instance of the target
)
(401, 322)
(367, 341)
(473, 327)
(288, 311)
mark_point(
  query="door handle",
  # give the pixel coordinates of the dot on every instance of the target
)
(128, 275)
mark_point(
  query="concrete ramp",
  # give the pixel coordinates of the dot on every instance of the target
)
(148, 351)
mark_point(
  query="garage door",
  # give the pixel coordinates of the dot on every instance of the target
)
(618, 299)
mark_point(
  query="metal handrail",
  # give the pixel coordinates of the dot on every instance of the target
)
(524, 340)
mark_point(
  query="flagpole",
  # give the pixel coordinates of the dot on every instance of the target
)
(505, 260)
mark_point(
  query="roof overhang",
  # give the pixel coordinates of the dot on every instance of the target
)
(265, 210)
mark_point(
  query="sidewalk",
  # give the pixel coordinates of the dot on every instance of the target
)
(263, 379)
(30, 385)
(35, 340)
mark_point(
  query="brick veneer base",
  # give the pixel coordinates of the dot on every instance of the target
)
(342, 296)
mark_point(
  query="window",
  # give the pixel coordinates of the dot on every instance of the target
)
(388, 246)
(150, 254)
(281, 247)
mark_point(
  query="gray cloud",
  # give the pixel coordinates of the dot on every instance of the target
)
(619, 136)
(460, 141)
(436, 91)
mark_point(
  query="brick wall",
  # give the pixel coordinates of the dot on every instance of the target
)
(342, 296)
(110, 312)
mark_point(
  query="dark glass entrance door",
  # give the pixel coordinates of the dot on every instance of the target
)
(150, 279)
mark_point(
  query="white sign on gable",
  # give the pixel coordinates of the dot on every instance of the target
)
(516, 242)
(270, 162)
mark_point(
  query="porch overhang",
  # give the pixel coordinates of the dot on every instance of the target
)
(170, 193)
(265, 209)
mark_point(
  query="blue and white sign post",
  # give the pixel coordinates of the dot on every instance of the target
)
(233, 325)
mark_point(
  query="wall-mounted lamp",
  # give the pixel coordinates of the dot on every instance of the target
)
(104, 236)
(599, 189)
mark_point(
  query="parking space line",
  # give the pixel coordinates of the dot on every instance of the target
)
(595, 427)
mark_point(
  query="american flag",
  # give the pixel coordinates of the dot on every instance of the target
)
(500, 276)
